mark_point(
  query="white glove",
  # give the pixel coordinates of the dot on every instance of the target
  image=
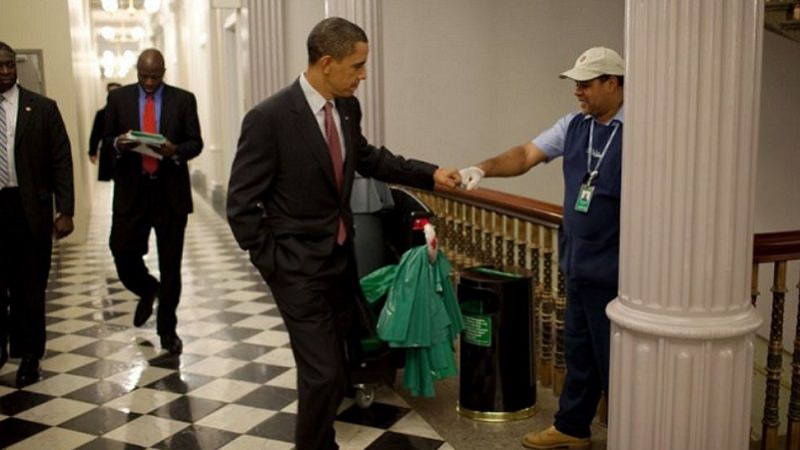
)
(471, 177)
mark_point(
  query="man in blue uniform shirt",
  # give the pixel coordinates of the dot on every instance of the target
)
(591, 144)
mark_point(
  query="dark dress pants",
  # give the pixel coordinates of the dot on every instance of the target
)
(24, 268)
(130, 233)
(586, 351)
(317, 310)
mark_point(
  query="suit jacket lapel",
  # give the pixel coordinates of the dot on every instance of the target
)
(349, 152)
(307, 126)
(166, 110)
(134, 121)
(24, 110)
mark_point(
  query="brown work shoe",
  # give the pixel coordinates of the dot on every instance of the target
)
(554, 439)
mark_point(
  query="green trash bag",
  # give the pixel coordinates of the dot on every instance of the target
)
(421, 314)
(375, 284)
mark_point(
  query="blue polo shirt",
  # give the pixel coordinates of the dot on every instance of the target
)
(157, 96)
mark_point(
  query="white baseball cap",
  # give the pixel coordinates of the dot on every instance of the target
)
(595, 62)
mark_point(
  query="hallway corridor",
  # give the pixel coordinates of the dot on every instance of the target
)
(108, 385)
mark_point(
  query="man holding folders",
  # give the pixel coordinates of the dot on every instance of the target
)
(152, 192)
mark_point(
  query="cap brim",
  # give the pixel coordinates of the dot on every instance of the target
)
(580, 74)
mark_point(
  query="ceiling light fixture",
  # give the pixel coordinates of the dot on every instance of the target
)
(152, 6)
(109, 5)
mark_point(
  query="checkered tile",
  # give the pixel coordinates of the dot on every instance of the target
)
(107, 385)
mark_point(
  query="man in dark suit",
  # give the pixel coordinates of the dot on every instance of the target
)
(289, 206)
(102, 156)
(35, 168)
(152, 192)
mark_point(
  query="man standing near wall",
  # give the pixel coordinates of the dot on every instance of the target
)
(289, 205)
(35, 169)
(152, 192)
(591, 144)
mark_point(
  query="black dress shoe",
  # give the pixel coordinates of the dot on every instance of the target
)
(172, 344)
(28, 372)
(144, 309)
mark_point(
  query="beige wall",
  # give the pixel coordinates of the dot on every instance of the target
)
(194, 53)
(777, 180)
(465, 79)
(300, 16)
(201, 55)
(777, 189)
(779, 139)
(45, 25)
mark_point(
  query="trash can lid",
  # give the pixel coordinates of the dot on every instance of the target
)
(494, 272)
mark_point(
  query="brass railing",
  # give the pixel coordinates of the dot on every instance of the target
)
(778, 249)
(521, 234)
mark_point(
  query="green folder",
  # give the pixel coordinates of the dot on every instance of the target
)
(145, 138)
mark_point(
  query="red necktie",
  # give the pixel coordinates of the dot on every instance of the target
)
(149, 164)
(335, 150)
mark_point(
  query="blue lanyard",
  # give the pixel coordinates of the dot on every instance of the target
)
(594, 172)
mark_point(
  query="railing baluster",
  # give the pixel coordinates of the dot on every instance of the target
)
(754, 285)
(469, 236)
(458, 231)
(509, 237)
(477, 235)
(534, 244)
(487, 237)
(548, 307)
(522, 246)
(793, 425)
(451, 230)
(771, 420)
(497, 229)
(560, 367)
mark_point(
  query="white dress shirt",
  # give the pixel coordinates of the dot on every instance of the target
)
(317, 104)
(11, 106)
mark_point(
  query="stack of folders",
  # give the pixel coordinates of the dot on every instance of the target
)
(145, 140)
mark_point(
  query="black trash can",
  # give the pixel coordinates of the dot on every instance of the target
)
(497, 369)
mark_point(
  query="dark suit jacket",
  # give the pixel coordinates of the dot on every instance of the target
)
(43, 161)
(282, 192)
(179, 123)
(105, 161)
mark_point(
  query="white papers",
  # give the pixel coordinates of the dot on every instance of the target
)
(145, 140)
(145, 150)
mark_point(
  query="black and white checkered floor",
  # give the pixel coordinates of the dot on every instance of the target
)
(107, 385)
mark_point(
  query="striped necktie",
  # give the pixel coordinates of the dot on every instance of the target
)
(4, 176)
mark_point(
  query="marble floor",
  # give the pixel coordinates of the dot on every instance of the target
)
(108, 385)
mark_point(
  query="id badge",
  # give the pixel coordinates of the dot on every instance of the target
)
(584, 198)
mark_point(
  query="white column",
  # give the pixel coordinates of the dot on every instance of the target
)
(367, 15)
(682, 327)
(265, 48)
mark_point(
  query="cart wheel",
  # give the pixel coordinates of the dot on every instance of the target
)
(365, 395)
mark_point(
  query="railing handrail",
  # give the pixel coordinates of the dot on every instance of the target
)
(767, 247)
(776, 246)
(517, 206)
